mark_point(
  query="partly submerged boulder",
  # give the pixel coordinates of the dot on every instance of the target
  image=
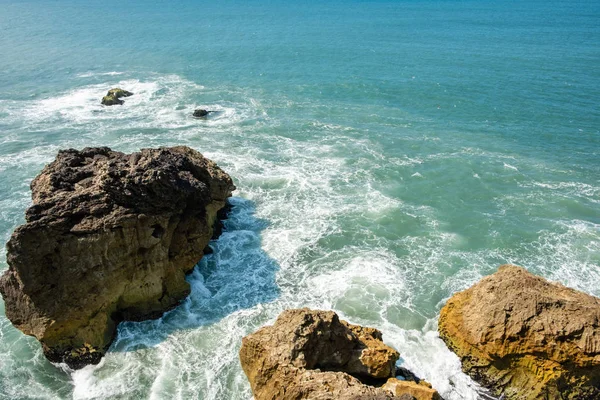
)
(310, 354)
(526, 338)
(109, 237)
(111, 101)
(113, 96)
(200, 112)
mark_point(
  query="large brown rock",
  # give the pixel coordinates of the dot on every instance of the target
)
(109, 237)
(310, 354)
(525, 337)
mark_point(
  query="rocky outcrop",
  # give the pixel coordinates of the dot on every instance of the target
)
(109, 237)
(113, 97)
(200, 112)
(310, 354)
(526, 338)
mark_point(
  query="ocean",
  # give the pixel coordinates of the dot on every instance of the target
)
(387, 154)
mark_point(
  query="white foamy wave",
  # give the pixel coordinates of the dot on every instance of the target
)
(571, 189)
(364, 284)
(159, 103)
(425, 354)
(406, 161)
(569, 254)
(91, 74)
(331, 127)
(31, 158)
(153, 101)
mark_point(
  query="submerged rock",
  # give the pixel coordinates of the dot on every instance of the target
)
(526, 338)
(109, 237)
(310, 354)
(113, 97)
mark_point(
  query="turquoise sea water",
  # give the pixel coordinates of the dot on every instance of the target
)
(387, 154)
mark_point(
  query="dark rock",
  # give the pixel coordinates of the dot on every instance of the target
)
(201, 112)
(111, 101)
(109, 237)
(222, 215)
(118, 92)
(208, 250)
(407, 374)
(113, 97)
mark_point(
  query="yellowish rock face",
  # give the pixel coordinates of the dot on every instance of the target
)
(525, 337)
(420, 391)
(311, 354)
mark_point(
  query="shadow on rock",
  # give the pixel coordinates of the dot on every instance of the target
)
(237, 275)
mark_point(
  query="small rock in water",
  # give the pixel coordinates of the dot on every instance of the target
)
(113, 96)
(111, 101)
(200, 112)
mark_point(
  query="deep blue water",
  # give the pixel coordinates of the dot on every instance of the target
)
(387, 154)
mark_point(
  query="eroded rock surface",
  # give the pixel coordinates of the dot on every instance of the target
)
(525, 337)
(109, 237)
(309, 354)
(412, 390)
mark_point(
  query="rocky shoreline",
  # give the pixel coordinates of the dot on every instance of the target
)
(110, 237)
